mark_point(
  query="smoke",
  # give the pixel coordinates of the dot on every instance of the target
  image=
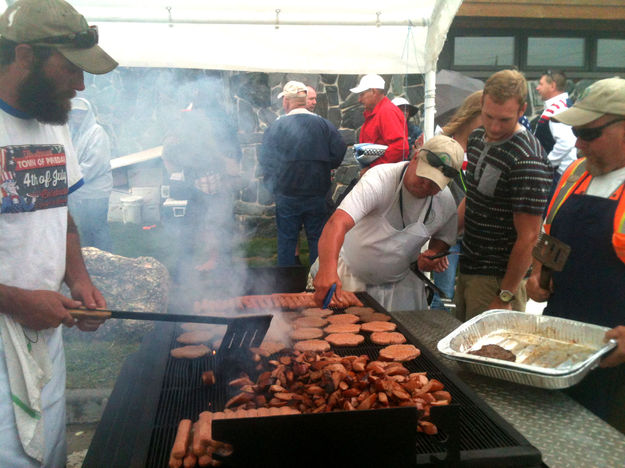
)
(190, 113)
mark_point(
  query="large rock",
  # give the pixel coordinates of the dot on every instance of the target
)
(135, 284)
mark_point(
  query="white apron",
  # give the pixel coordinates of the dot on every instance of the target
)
(378, 256)
(53, 412)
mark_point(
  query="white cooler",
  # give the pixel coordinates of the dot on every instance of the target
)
(131, 209)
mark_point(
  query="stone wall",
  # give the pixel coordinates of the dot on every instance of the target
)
(137, 104)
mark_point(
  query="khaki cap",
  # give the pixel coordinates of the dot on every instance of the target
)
(41, 22)
(450, 153)
(293, 89)
(600, 98)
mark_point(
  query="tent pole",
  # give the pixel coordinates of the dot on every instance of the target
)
(421, 22)
(429, 104)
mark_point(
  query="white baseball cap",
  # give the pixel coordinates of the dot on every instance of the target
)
(369, 82)
(400, 101)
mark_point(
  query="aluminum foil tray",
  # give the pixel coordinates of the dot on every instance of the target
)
(550, 352)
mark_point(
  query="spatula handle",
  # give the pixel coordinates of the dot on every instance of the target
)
(89, 314)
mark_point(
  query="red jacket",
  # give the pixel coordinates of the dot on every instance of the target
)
(386, 125)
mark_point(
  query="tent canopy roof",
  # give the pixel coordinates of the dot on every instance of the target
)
(321, 36)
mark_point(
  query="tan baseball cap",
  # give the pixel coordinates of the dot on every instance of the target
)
(292, 89)
(446, 152)
(56, 24)
(600, 98)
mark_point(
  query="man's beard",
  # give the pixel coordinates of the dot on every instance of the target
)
(38, 96)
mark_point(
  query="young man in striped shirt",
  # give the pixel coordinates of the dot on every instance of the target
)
(508, 179)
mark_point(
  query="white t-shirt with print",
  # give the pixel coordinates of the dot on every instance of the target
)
(38, 167)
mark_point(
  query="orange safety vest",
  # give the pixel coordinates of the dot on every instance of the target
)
(576, 179)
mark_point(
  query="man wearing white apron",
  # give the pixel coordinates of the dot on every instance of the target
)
(45, 45)
(380, 227)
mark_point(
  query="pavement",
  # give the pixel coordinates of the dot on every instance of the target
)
(78, 440)
(84, 410)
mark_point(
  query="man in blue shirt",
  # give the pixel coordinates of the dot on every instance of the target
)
(298, 152)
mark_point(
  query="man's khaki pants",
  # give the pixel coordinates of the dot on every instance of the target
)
(474, 293)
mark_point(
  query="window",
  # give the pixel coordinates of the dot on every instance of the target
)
(552, 52)
(483, 51)
(611, 53)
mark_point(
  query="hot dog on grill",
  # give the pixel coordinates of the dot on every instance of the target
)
(179, 450)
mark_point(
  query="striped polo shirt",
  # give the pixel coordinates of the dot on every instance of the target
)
(503, 177)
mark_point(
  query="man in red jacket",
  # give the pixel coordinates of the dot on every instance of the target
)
(385, 123)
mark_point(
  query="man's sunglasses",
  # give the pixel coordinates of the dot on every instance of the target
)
(81, 40)
(589, 134)
(435, 160)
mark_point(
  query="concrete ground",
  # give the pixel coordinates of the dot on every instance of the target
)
(84, 410)
(78, 439)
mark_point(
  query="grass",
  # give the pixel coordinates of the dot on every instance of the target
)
(96, 363)
(160, 242)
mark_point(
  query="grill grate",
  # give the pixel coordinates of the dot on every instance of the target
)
(184, 397)
(166, 390)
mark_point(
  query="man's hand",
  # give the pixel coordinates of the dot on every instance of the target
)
(91, 298)
(426, 264)
(534, 291)
(39, 309)
(497, 303)
(323, 282)
(617, 356)
(329, 246)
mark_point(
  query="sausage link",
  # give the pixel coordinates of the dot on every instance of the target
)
(179, 450)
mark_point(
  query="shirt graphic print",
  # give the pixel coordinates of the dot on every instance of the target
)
(32, 177)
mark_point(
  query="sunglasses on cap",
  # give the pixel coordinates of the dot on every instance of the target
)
(81, 40)
(435, 160)
(590, 134)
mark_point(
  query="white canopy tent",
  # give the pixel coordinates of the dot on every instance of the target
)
(320, 36)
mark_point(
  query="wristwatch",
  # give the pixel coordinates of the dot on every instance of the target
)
(505, 295)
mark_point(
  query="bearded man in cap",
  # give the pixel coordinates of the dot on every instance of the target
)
(45, 46)
(378, 230)
(385, 123)
(587, 212)
(298, 152)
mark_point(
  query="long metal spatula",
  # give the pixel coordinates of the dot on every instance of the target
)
(552, 253)
(243, 331)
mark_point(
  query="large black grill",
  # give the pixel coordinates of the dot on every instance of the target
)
(154, 392)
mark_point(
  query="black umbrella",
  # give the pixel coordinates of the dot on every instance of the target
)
(452, 88)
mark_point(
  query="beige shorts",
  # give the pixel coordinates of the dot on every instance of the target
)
(474, 293)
